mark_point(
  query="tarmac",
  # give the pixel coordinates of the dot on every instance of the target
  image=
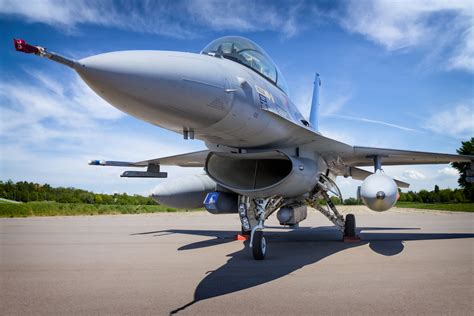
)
(408, 262)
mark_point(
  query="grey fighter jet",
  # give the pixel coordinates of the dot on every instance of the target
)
(263, 156)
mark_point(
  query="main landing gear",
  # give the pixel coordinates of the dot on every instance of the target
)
(348, 225)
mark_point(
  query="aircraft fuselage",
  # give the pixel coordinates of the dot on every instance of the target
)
(217, 100)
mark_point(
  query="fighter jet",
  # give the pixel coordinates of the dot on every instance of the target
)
(263, 155)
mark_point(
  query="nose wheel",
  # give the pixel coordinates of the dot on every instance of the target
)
(254, 219)
(259, 245)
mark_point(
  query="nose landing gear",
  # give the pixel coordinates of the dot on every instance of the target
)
(253, 214)
(259, 245)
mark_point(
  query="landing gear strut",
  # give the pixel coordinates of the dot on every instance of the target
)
(253, 214)
(325, 185)
(246, 215)
(257, 240)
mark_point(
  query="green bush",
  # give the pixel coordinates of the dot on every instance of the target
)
(31, 192)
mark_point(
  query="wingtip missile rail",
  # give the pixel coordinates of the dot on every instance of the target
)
(22, 46)
(97, 162)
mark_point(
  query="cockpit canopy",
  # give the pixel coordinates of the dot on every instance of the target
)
(247, 53)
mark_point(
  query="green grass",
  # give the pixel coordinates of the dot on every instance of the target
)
(10, 209)
(454, 207)
(2, 201)
(74, 209)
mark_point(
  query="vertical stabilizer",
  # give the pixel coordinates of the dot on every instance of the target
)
(313, 116)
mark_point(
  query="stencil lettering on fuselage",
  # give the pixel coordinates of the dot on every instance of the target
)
(268, 103)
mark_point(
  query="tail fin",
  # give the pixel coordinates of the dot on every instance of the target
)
(313, 117)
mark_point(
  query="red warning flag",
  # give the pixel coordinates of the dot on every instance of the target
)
(21, 46)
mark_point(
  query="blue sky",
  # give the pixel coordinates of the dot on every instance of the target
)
(395, 74)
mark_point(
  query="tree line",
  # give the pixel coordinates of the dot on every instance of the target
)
(29, 192)
(435, 196)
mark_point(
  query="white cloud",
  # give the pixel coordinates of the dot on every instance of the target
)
(404, 24)
(58, 13)
(443, 28)
(456, 122)
(366, 120)
(181, 19)
(72, 105)
(463, 56)
(333, 106)
(413, 175)
(448, 172)
(241, 15)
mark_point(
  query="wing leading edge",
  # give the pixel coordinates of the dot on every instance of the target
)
(193, 159)
(332, 149)
(363, 156)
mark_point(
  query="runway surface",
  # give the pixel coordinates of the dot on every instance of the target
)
(409, 262)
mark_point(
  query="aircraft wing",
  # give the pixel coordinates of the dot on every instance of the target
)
(194, 159)
(363, 156)
(312, 140)
(339, 154)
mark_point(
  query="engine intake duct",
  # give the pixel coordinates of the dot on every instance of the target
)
(262, 174)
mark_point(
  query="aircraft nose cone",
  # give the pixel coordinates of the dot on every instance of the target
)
(170, 89)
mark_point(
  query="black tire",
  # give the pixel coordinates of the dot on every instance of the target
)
(350, 226)
(259, 245)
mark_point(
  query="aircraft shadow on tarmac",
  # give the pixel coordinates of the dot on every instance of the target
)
(288, 252)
